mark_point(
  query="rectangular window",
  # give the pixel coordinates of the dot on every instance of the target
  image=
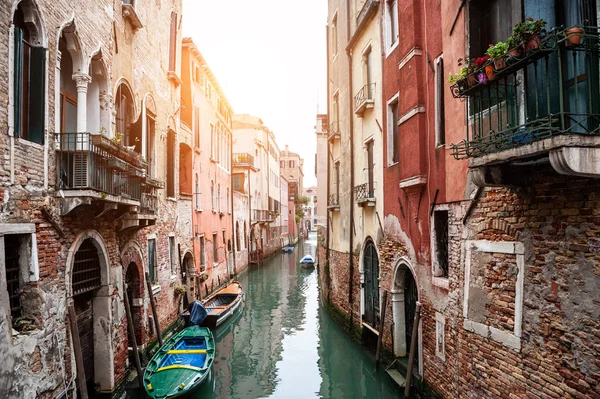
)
(227, 199)
(370, 167)
(152, 259)
(202, 256)
(292, 164)
(391, 23)
(334, 36)
(440, 225)
(282, 164)
(198, 194)
(215, 248)
(440, 128)
(29, 88)
(393, 145)
(172, 254)
(336, 174)
(171, 164)
(150, 126)
(367, 60)
(197, 127)
(173, 43)
(212, 142)
(11, 262)
(336, 112)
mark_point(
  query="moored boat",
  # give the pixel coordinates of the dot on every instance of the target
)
(307, 261)
(181, 365)
(222, 304)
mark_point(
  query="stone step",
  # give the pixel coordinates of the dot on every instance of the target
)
(397, 377)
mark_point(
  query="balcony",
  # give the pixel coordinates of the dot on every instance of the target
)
(243, 160)
(333, 202)
(92, 169)
(128, 10)
(543, 106)
(262, 216)
(334, 131)
(364, 194)
(368, 8)
(364, 99)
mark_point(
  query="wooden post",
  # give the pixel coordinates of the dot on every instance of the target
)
(77, 349)
(154, 312)
(413, 347)
(136, 355)
(380, 336)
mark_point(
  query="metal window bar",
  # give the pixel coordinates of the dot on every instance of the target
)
(11, 248)
(333, 200)
(243, 159)
(363, 192)
(86, 269)
(561, 97)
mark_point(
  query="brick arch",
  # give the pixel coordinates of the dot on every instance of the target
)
(500, 225)
(132, 253)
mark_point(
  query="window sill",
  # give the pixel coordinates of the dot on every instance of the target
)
(213, 159)
(156, 289)
(197, 150)
(393, 164)
(30, 143)
(199, 210)
(172, 199)
(441, 282)
(389, 50)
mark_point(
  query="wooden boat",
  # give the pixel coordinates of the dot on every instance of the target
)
(181, 364)
(287, 249)
(307, 262)
(222, 304)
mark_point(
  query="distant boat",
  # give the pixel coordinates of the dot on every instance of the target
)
(307, 262)
(181, 365)
(222, 304)
(289, 248)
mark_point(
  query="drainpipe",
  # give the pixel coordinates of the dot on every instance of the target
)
(233, 232)
(351, 136)
(328, 143)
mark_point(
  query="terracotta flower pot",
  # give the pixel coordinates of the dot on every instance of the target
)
(516, 51)
(574, 36)
(500, 63)
(533, 42)
(471, 79)
(490, 73)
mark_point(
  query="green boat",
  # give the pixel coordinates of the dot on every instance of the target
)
(181, 365)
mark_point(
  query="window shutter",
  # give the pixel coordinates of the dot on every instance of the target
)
(18, 82)
(37, 94)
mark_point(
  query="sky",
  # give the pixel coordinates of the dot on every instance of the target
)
(269, 57)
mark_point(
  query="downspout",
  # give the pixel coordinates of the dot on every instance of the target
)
(351, 136)
(328, 143)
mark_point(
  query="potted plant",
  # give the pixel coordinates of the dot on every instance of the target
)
(482, 76)
(574, 36)
(532, 31)
(515, 49)
(497, 53)
(460, 79)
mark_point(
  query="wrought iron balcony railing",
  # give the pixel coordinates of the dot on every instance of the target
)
(364, 99)
(243, 159)
(364, 193)
(334, 130)
(93, 162)
(545, 92)
(260, 216)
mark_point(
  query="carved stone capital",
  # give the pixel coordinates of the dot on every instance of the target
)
(82, 80)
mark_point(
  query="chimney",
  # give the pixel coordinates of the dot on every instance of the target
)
(287, 148)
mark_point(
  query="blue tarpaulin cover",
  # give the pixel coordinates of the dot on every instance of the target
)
(197, 313)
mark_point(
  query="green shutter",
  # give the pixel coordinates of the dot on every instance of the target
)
(37, 94)
(18, 80)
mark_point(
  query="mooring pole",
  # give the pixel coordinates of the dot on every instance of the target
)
(154, 312)
(136, 355)
(77, 349)
(381, 330)
(413, 345)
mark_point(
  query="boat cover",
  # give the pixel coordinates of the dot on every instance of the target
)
(197, 313)
(307, 259)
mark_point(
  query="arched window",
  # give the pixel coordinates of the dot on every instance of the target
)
(171, 148)
(173, 43)
(125, 114)
(29, 62)
(237, 236)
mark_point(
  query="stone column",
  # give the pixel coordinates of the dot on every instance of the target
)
(82, 80)
(399, 317)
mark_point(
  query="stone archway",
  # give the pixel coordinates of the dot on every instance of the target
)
(188, 277)
(92, 298)
(405, 295)
(369, 277)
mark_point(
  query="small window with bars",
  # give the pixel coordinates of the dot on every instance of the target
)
(12, 245)
(440, 231)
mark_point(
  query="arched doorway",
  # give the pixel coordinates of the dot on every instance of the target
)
(371, 286)
(405, 295)
(86, 282)
(188, 275)
(88, 290)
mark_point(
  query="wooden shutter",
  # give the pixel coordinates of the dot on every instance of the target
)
(37, 94)
(18, 82)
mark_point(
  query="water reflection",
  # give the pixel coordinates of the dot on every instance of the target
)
(282, 345)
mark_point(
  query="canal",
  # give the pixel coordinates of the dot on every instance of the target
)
(284, 345)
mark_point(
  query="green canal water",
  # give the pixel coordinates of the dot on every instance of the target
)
(282, 344)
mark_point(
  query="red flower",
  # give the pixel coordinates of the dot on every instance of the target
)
(481, 60)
